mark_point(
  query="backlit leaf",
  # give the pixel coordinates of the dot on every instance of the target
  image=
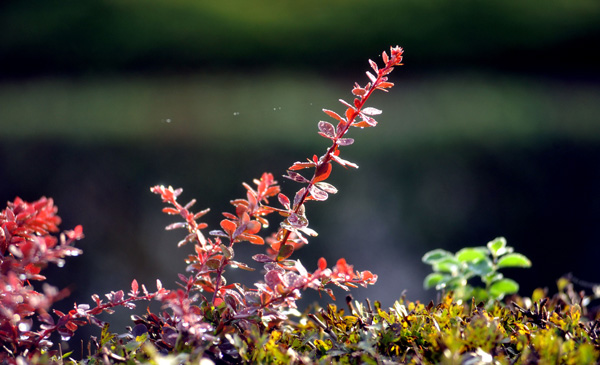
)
(296, 177)
(514, 260)
(317, 193)
(371, 77)
(262, 258)
(240, 265)
(322, 263)
(371, 111)
(284, 200)
(301, 165)
(285, 251)
(433, 279)
(327, 187)
(471, 254)
(333, 114)
(503, 287)
(436, 255)
(345, 141)
(298, 197)
(359, 91)
(497, 246)
(327, 129)
(228, 226)
(323, 172)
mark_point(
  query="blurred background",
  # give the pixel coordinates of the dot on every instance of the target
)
(491, 130)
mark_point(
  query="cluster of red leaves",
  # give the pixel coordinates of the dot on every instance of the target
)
(284, 279)
(26, 247)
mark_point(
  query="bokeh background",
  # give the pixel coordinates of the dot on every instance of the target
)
(491, 130)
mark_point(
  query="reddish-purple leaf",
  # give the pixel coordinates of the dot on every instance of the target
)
(262, 258)
(284, 200)
(317, 193)
(296, 177)
(218, 232)
(297, 221)
(327, 187)
(177, 225)
(345, 141)
(272, 278)
(134, 287)
(327, 129)
(298, 197)
(371, 111)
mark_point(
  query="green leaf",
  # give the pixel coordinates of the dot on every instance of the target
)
(436, 255)
(502, 287)
(434, 279)
(497, 246)
(514, 260)
(481, 267)
(448, 265)
(470, 254)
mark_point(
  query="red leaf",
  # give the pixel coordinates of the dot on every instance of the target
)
(333, 114)
(284, 200)
(296, 177)
(385, 85)
(323, 172)
(322, 264)
(228, 226)
(373, 65)
(301, 165)
(254, 239)
(171, 211)
(134, 286)
(253, 227)
(359, 91)
(350, 113)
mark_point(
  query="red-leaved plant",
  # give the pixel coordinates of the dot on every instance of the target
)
(199, 316)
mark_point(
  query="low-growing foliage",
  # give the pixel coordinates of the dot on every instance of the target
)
(207, 320)
(453, 271)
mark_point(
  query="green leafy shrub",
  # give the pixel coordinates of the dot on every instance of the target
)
(453, 271)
